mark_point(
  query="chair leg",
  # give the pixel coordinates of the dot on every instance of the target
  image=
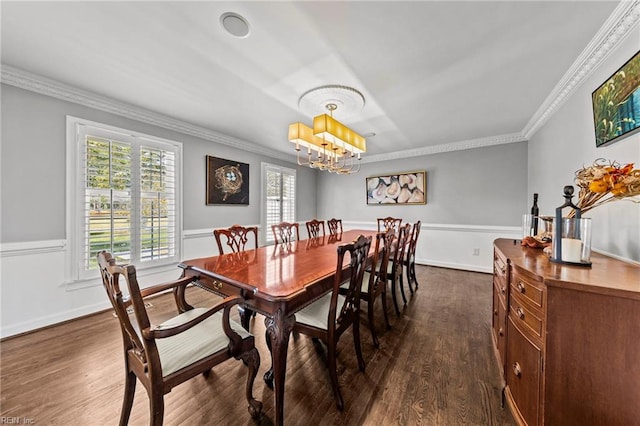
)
(370, 304)
(385, 310)
(357, 343)
(407, 269)
(252, 359)
(156, 406)
(129, 393)
(331, 357)
(393, 295)
(413, 274)
(401, 281)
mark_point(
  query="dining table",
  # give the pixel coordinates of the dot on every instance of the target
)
(275, 281)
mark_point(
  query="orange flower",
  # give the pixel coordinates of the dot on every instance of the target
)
(606, 181)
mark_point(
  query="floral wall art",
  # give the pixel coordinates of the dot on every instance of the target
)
(401, 188)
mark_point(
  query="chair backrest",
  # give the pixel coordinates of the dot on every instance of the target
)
(283, 232)
(350, 310)
(314, 227)
(398, 250)
(335, 226)
(380, 261)
(236, 238)
(111, 274)
(413, 241)
(385, 223)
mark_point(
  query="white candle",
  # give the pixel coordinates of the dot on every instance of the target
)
(571, 250)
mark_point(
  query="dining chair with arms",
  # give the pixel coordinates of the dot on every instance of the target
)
(410, 257)
(285, 232)
(385, 223)
(236, 238)
(335, 226)
(396, 263)
(374, 283)
(334, 313)
(166, 354)
(315, 228)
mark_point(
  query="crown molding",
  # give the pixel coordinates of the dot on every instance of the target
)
(619, 25)
(455, 146)
(46, 86)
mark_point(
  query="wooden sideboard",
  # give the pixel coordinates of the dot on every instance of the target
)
(567, 338)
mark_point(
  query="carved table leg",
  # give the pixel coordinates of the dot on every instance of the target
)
(278, 331)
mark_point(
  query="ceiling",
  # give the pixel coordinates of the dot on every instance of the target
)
(433, 73)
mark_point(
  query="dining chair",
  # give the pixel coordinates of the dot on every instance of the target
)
(314, 227)
(236, 238)
(335, 226)
(374, 283)
(385, 223)
(396, 259)
(410, 257)
(162, 355)
(285, 232)
(329, 317)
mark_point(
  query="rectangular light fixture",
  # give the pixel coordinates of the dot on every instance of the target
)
(327, 127)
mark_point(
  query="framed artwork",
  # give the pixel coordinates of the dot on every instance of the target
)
(401, 188)
(227, 181)
(616, 104)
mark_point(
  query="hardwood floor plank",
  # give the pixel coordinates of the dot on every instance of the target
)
(436, 366)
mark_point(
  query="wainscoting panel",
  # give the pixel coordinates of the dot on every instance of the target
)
(35, 295)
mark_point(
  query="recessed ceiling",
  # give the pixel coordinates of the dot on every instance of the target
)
(431, 72)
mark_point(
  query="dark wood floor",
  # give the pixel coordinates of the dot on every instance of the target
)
(435, 367)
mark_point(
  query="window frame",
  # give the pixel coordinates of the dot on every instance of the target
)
(75, 217)
(267, 235)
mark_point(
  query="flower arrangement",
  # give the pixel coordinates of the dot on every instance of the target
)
(606, 181)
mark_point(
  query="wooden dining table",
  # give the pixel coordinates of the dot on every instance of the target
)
(275, 281)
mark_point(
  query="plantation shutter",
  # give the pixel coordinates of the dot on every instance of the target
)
(280, 197)
(128, 199)
(157, 203)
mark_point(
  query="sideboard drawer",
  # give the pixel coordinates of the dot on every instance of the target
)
(526, 318)
(529, 289)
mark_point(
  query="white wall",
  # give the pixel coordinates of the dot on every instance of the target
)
(566, 143)
(33, 210)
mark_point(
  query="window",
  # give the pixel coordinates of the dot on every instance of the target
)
(279, 197)
(123, 197)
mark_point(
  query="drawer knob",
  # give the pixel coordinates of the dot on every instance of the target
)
(501, 331)
(503, 289)
(517, 370)
(495, 312)
(521, 287)
(520, 313)
(217, 285)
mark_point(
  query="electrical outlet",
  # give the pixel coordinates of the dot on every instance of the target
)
(476, 251)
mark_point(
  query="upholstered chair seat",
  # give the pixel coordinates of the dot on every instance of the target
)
(317, 313)
(196, 343)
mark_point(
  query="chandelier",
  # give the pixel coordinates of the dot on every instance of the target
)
(330, 145)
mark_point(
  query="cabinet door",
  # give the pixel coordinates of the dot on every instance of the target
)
(523, 373)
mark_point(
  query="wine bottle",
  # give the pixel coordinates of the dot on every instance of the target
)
(534, 212)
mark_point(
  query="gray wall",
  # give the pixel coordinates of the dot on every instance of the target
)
(567, 142)
(482, 186)
(33, 173)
